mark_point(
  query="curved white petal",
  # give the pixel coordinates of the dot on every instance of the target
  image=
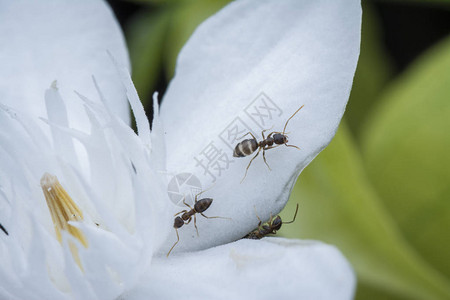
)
(250, 67)
(272, 268)
(43, 41)
(122, 197)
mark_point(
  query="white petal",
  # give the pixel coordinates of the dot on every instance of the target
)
(272, 268)
(291, 53)
(123, 199)
(43, 41)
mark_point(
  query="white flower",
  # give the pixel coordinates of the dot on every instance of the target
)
(84, 199)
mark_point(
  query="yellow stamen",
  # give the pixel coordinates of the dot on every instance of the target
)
(63, 209)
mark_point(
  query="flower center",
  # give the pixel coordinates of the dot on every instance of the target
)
(63, 209)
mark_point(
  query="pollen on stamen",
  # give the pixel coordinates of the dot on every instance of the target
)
(63, 209)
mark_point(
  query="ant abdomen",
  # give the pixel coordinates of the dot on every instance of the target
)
(202, 205)
(245, 148)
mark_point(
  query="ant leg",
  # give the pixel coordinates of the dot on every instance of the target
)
(292, 146)
(178, 239)
(181, 212)
(246, 170)
(271, 147)
(270, 134)
(245, 135)
(196, 196)
(215, 217)
(264, 149)
(272, 230)
(260, 222)
(195, 225)
(273, 132)
(295, 215)
(283, 133)
(264, 156)
(188, 204)
(262, 133)
(4, 229)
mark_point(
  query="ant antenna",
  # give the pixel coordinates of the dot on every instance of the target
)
(295, 215)
(212, 185)
(285, 125)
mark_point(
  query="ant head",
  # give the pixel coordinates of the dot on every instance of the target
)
(202, 204)
(276, 223)
(280, 139)
(178, 222)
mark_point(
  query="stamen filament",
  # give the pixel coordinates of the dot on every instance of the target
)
(63, 209)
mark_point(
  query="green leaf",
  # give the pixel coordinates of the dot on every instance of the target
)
(338, 205)
(157, 2)
(185, 18)
(372, 73)
(368, 292)
(407, 153)
(444, 3)
(146, 35)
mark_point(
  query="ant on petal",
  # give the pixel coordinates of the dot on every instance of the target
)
(187, 215)
(273, 140)
(272, 226)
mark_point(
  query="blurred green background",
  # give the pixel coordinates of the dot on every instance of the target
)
(380, 191)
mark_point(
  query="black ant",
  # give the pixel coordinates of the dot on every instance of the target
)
(273, 225)
(249, 146)
(4, 229)
(199, 207)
